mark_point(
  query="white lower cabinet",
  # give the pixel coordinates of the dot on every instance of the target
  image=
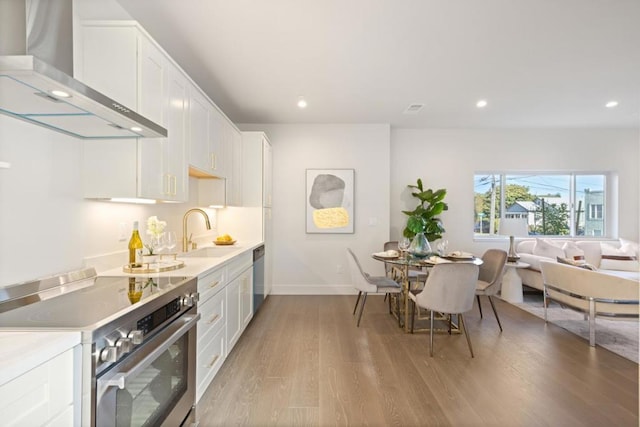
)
(225, 307)
(43, 396)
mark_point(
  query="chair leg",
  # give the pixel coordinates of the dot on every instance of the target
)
(450, 323)
(466, 333)
(357, 301)
(413, 314)
(398, 309)
(431, 333)
(495, 312)
(389, 295)
(364, 300)
(479, 305)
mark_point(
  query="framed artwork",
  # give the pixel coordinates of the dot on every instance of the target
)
(330, 201)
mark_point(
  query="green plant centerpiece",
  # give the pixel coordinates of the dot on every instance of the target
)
(423, 221)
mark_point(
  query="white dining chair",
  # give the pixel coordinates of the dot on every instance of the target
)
(490, 278)
(365, 284)
(449, 289)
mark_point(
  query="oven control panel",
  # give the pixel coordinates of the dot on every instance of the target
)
(158, 317)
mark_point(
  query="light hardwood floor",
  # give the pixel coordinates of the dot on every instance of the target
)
(303, 362)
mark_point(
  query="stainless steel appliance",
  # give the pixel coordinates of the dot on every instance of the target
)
(258, 277)
(138, 341)
(36, 65)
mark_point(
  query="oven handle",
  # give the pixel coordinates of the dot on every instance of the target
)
(120, 379)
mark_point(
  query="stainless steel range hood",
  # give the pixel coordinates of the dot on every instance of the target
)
(36, 64)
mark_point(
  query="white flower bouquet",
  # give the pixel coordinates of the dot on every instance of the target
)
(155, 229)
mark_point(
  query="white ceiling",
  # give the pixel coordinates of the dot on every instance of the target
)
(539, 63)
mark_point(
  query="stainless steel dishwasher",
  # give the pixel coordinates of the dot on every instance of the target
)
(258, 277)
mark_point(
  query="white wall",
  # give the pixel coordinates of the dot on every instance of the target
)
(309, 263)
(449, 158)
(46, 227)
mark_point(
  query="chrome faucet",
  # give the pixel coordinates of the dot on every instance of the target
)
(185, 239)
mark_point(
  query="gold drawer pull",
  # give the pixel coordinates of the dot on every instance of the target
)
(214, 284)
(213, 319)
(213, 361)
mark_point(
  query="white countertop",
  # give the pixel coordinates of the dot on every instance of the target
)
(194, 266)
(22, 351)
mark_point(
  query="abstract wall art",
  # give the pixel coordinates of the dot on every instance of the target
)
(330, 200)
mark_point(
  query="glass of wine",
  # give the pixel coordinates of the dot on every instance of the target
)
(403, 245)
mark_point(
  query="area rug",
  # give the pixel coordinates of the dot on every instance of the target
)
(620, 337)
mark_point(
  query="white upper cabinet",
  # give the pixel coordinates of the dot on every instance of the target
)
(121, 60)
(256, 164)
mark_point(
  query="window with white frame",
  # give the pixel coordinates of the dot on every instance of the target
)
(557, 204)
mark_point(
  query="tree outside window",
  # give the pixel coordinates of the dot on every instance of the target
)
(554, 205)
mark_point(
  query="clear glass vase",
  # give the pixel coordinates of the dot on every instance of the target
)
(420, 247)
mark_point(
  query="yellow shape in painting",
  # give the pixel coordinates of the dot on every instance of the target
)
(331, 218)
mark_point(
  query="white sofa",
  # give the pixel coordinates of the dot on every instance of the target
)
(591, 292)
(614, 257)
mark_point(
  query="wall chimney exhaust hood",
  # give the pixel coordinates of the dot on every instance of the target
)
(36, 64)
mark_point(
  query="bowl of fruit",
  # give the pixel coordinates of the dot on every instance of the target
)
(224, 240)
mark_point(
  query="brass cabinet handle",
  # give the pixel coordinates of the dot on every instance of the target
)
(213, 319)
(213, 361)
(214, 284)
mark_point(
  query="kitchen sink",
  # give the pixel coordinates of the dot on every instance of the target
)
(209, 252)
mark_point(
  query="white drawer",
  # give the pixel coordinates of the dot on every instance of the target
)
(208, 362)
(238, 264)
(212, 317)
(212, 283)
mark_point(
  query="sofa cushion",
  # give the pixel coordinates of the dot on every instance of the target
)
(591, 250)
(526, 246)
(572, 251)
(546, 248)
(576, 263)
(623, 258)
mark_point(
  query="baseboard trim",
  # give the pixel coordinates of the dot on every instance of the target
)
(313, 290)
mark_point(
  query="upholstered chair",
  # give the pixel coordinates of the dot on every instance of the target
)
(490, 278)
(449, 289)
(365, 284)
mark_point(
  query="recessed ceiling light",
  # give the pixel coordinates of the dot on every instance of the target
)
(302, 103)
(611, 104)
(136, 129)
(60, 93)
(481, 103)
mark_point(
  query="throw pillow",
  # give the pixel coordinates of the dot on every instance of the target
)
(546, 248)
(572, 251)
(574, 263)
(623, 258)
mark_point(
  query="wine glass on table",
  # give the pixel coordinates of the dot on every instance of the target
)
(403, 245)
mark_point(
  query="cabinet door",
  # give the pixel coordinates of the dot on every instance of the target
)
(266, 173)
(109, 51)
(233, 313)
(174, 179)
(216, 143)
(152, 97)
(246, 297)
(41, 396)
(236, 169)
(198, 137)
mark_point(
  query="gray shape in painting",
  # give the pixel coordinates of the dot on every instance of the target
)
(327, 191)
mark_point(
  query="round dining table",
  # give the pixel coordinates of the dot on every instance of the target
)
(403, 264)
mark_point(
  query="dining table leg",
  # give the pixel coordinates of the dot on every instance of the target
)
(407, 289)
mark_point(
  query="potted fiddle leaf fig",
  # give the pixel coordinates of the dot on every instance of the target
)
(424, 218)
